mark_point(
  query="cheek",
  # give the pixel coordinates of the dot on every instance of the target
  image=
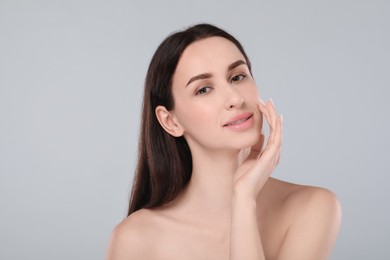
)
(252, 98)
(261, 121)
(249, 92)
(254, 93)
(194, 117)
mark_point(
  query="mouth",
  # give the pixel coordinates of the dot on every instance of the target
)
(239, 119)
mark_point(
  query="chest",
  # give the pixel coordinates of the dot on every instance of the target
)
(189, 243)
(172, 240)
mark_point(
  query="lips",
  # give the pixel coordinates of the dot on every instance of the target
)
(238, 119)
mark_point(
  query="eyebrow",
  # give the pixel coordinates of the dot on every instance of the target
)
(236, 64)
(198, 77)
(209, 75)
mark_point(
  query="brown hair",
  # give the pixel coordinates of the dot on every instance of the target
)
(164, 164)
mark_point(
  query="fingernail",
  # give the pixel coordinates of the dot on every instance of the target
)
(272, 102)
(262, 102)
(281, 118)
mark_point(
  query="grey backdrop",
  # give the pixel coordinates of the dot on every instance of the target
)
(71, 79)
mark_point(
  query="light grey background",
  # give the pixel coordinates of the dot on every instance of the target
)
(71, 79)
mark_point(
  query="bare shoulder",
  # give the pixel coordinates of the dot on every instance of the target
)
(132, 237)
(303, 199)
(306, 201)
(314, 218)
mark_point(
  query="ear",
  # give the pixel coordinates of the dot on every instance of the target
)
(168, 122)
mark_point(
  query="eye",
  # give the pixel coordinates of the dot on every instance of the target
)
(237, 78)
(203, 91)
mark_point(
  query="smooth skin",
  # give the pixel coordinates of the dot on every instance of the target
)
(231, 208)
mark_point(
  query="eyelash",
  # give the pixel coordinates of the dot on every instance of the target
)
(198, 92)
(233, 79)
(242, 76)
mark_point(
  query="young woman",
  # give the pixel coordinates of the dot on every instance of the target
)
(202, 188)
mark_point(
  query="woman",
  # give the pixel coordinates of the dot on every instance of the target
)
(202, 188)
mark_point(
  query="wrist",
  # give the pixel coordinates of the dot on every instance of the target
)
(243, 199)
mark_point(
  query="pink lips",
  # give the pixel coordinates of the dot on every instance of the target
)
(241, 121)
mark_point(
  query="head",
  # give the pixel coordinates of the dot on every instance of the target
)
(164, 162)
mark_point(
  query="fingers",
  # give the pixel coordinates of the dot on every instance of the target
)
(256, 149)
(276, 129)
(270, 114)
(264, 110)
(256, 171)
(277, 143)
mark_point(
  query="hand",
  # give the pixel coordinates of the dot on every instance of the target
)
(255, 170)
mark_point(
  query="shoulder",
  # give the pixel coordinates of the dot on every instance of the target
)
(132, 238)
(303, 198)
(314, 218)
(310, 201)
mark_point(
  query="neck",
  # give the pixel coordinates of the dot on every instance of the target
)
(210, 188)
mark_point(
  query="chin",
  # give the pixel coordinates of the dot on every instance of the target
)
(250, 140)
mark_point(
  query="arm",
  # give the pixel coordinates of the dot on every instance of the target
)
(315, 213)
(120, 245)
(245, 240)
(127, 241)
(311, 234)
(314, 230)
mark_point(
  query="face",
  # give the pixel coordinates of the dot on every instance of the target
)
(216, 97)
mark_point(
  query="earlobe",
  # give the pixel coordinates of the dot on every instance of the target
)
(168, 122)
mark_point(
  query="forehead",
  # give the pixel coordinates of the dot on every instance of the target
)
(210, 55)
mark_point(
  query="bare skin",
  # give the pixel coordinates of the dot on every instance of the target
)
(231, 208)
(179, 232)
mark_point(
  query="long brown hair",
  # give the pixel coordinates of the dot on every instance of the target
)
(164, 164)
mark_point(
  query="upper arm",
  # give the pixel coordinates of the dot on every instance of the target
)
(125, 243)
(314, 229)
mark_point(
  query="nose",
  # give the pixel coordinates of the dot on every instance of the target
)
(233, 99)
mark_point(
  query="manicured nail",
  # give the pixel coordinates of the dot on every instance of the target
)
(281, 118)
(272, 102)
